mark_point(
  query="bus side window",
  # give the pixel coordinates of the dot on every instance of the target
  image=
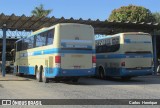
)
(25, 44)
(40, 40)
(50, 37)
(19, 44)
(30, 42)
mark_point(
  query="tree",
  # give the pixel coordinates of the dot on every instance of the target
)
(156, 15)
(40, 11)
(132, 13)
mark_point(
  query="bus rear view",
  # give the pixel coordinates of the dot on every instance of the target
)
(124, 55)
(77, 45)
(138, 52)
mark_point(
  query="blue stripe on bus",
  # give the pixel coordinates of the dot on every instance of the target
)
(51, 51)
(56, 50)
(69, 72)
(59, 72)
(119, 72)
(37, 53)
(129, 41)
(26, 70)
(114, 56)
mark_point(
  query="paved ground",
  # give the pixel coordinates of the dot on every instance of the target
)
(13, 87)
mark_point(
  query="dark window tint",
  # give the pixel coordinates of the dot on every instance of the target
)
(50, 37)
(106, 46)
(40, 40)
(30, 42)
(25, 44)
(19, 45)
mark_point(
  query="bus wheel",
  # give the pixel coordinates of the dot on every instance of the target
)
(126, 78)
(101, 73)
(45, 80)
(38, 76)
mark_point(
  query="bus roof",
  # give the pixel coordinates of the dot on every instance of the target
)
(49, 28)
(118, 34)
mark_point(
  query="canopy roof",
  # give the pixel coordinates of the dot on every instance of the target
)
(33, 23)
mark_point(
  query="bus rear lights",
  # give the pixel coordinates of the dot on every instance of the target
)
(93, 59)
(122, 64)
(57, 59)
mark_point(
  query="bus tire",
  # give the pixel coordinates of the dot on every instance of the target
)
(44, 78)
(38, 76)
(101, 73)
(126, 78)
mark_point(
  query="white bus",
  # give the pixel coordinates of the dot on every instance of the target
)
(124, 55)
(63, 51)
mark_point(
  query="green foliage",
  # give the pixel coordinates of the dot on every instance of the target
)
(132, 13)
(156, 15)
(40, 11)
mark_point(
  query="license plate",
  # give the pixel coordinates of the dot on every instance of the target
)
(77, 55)
(77, 67)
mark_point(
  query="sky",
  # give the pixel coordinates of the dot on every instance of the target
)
(85, 9)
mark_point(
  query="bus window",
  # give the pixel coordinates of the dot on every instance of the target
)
(50, 37)
(40, 40)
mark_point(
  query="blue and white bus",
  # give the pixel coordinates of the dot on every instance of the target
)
(63, 51)
(124, 55)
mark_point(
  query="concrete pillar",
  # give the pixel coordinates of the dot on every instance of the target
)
(155, 53)
(4, 51)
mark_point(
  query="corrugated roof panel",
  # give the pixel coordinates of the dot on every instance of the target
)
(33, 23)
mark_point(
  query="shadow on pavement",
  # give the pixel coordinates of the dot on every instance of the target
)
(143, 80)
(117, 81)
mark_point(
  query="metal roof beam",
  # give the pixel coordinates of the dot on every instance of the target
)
(25, 22)
(49, 20)
(36, 21)
(23, 16)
